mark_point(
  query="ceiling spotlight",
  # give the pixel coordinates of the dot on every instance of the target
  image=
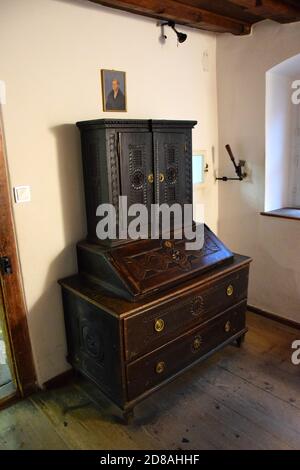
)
(180, 36)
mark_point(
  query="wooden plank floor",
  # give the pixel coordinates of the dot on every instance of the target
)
(239, 399)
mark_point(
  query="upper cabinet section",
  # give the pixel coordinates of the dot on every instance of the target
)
(149, 161)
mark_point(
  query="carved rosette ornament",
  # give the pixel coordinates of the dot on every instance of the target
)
(92, 342)
(197, 306)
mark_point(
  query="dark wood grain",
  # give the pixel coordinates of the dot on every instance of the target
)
(143, 375)
(233, 16)
(14, 303)
(180, 13)
(144, 267)
(108, 335)
(182, 313)
(136, 307)
(224, 8)
(120, 156)
(276, 10)
(90, 290)
(94, 345)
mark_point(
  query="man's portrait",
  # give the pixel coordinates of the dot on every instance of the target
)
(113, 90)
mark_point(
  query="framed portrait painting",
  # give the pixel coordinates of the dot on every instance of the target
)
(113, 90)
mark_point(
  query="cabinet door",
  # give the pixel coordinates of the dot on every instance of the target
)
(172, 168)
(136, 163)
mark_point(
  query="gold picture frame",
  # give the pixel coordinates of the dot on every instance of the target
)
(114, 93)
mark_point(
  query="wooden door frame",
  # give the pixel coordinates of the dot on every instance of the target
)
(12, 285)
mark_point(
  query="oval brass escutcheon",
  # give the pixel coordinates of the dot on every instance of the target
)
(197, 343)
(161, 177)
(168, 244)
(160, 367)
(227, 327)
(230, 290)
(159, 325)
(150, 178)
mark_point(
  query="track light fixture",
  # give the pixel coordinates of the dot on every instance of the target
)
(181, 37)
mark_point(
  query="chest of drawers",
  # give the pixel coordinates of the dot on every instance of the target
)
(141, 311)
(131, 349)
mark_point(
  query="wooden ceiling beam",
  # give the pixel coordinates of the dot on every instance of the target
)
(181, 14)
(276, 10)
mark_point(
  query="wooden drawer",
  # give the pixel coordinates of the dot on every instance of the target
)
(152, 328)
(158, 366)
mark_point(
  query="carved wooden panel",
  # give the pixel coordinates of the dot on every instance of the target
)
(136, 164)
(188, 167)
(169, 253)
(93, 343)
(119, 345)
(93, 172)
(143, 373)
(172, 163)
(114, 171)
(119, 159)
(147, 265)
(181, 314)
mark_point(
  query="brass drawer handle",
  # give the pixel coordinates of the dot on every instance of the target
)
(227, 327)
(159, 325)
(150, 178)
(197, 343)
(230, 290)
(160, 367)
(161, 177)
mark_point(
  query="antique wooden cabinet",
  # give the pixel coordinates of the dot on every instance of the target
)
(149, 161)
(141, 312)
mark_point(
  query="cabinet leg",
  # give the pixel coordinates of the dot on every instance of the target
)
(240, 340)
(128, 416)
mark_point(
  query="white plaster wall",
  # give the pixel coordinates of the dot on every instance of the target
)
(51, 52)
(279, 132)
(242, 63)
(294, 176)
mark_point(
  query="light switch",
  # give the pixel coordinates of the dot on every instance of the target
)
(22, 194)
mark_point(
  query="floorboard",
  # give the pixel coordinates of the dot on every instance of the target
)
(22, 427)
(244, 398)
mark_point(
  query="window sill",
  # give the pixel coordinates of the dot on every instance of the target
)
(292, 213)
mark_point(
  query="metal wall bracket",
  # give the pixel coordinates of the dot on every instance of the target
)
(239, 168)
(5, 265)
